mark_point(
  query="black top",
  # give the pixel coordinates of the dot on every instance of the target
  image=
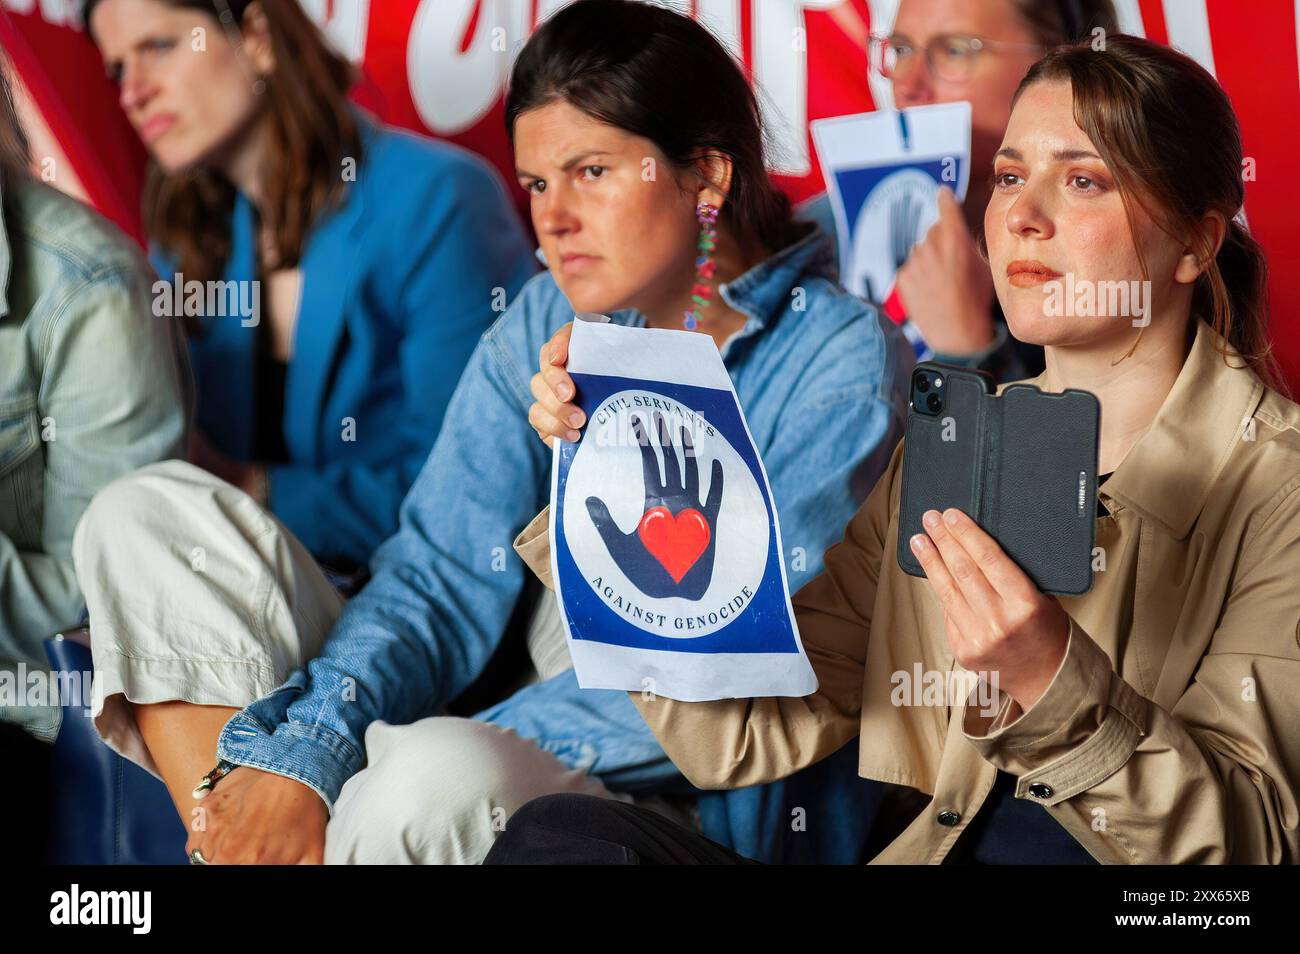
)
(1012, 831)
(268, 430)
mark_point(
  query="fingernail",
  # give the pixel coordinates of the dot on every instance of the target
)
(951, 518)
(563, 392)
(576, 419)
(554, 353)
(572, 437)
(930, 518)
(918, 542)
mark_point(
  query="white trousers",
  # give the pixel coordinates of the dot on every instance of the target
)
(197, 594)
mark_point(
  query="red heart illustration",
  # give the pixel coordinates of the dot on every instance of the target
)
(676, 542)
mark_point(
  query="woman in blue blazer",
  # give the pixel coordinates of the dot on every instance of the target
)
(335, 274)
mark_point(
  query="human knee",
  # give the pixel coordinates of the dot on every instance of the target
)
(135, 510)
(439, 791)
(454, 765)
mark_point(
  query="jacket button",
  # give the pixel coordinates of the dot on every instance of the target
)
(1039, 790)
(948, 818)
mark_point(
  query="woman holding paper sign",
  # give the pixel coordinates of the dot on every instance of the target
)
(626, 119)
(1151, 720)
(974, 51)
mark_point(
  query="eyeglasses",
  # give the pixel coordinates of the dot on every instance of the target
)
(950, 57)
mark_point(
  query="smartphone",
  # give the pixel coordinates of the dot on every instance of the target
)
(1022, 464)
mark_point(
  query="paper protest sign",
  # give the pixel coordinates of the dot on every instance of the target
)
(883, 171)
(665, 544)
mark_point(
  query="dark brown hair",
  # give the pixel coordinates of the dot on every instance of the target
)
(313, 129)
(662, 76)
(1167, 133)
(1054, 22)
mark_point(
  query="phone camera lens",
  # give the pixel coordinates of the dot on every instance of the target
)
(933, 403)
(922, 383)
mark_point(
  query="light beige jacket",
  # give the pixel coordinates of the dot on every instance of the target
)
(1171, 731)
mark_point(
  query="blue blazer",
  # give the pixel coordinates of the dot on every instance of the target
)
(399, 282)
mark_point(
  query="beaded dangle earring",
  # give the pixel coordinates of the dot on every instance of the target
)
(702, 291)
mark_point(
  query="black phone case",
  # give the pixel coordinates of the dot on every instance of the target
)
(1035, 491)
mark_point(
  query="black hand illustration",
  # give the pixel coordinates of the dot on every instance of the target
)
(670, 550)
(904, 216)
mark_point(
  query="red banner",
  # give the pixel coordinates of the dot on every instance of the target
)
(440, 67)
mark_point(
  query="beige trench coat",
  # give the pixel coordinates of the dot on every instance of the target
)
(1171, 731)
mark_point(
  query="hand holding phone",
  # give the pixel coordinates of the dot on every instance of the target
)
(998, 623)
(1022, 465)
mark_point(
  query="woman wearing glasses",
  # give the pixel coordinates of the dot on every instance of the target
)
(975, 51)
(1151, 720)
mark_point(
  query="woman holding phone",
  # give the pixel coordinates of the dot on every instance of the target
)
(1152, 719)
(345, 270)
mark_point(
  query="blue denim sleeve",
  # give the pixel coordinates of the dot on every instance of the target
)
(108, 396)
(442, 588)
(458, 256)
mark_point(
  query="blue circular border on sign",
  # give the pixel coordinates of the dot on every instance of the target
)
(763, 626)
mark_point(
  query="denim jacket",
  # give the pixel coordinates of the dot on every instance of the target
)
(92, 386)
(821, 378)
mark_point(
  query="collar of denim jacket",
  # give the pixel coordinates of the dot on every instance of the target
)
(764, 292)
